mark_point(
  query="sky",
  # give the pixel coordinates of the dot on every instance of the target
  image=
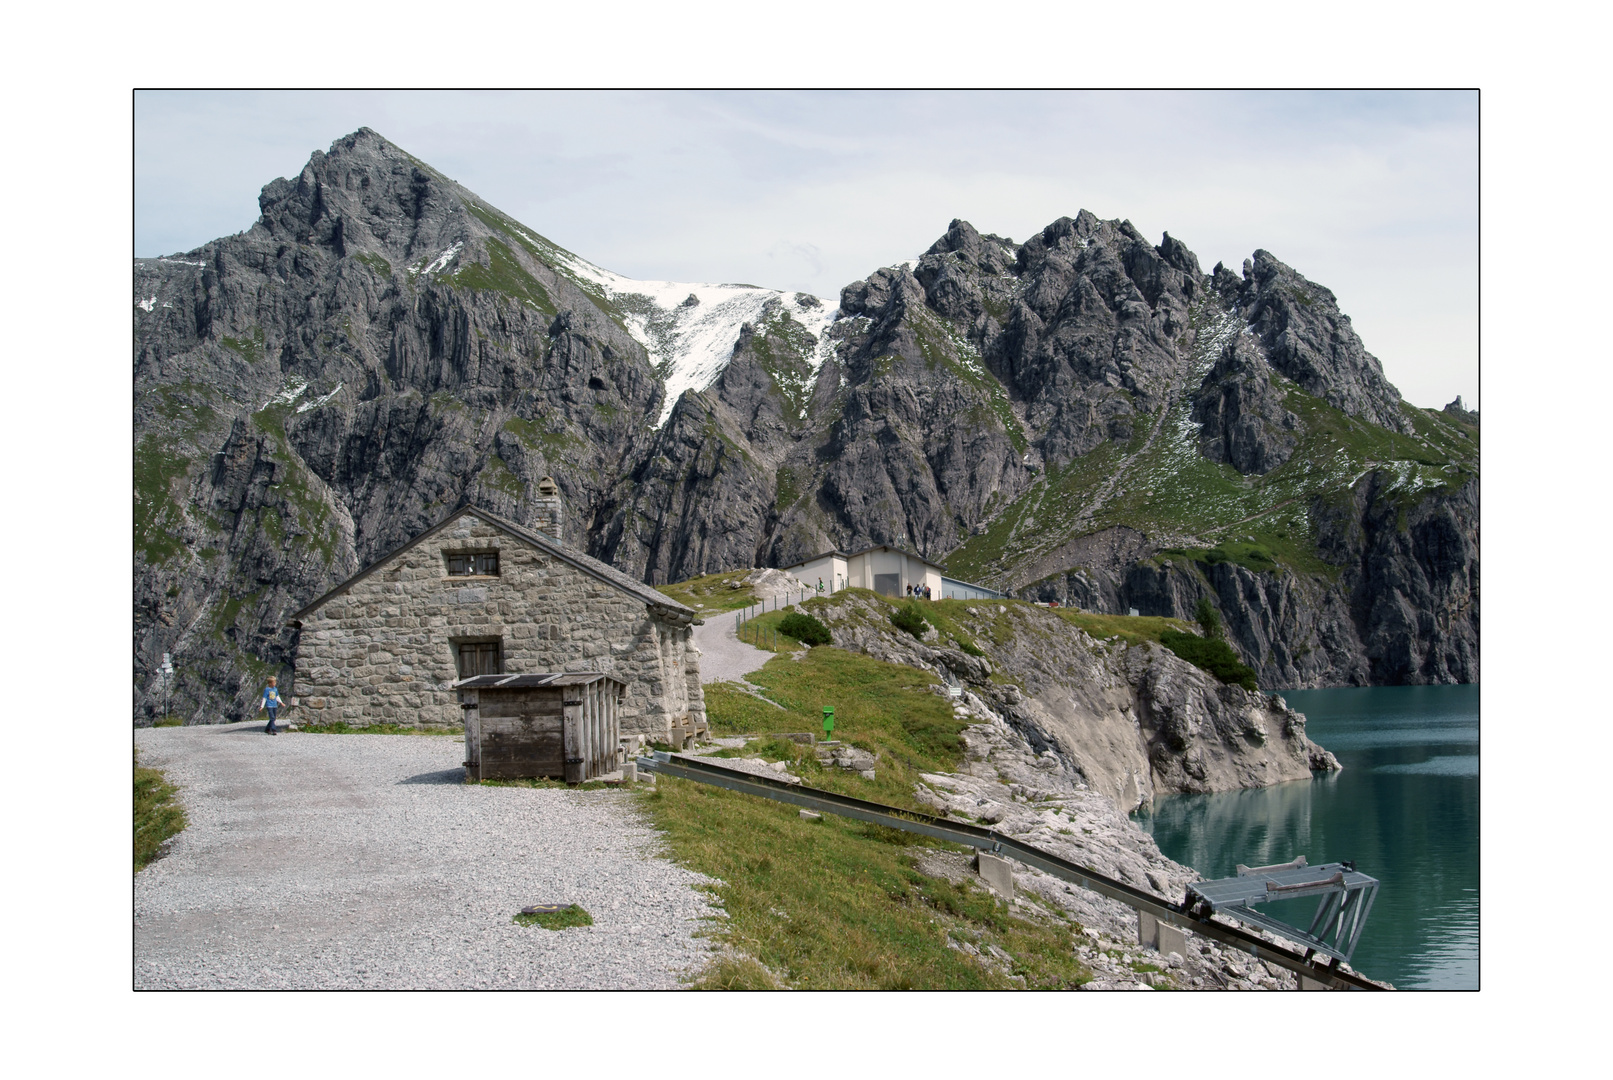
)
(1373, 195)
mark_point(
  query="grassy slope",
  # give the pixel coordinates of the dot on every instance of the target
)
(710, 592)
(838, 904)
(1171, 489)
(157, 814)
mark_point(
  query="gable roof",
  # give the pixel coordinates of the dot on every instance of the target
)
(600, 571)
(855, 554)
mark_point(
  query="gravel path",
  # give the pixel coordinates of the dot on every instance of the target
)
(723, 657)
(333, 861)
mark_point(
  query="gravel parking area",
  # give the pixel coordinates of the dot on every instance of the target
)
(363, 861)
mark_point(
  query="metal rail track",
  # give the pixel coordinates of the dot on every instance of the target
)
(956, 832)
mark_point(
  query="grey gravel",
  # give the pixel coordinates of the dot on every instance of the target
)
(723, 657)
(362, 861)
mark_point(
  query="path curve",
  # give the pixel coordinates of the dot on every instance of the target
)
(364, 861)
(723, 657)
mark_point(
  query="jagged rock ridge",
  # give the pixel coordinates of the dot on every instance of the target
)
(383, 345)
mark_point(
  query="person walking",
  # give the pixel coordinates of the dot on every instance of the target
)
(820, 586)
(271, 704)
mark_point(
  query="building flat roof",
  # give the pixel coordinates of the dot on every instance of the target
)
(865, 551)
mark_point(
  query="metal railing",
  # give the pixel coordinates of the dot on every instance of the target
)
(989, 840)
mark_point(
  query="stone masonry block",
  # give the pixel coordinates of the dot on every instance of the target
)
(997, 873)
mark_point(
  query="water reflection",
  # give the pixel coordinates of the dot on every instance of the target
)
(1405, 810)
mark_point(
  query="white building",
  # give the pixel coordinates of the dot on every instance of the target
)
(886, 570)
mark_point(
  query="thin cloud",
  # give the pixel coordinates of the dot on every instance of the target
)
(1372, 194)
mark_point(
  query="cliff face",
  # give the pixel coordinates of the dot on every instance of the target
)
(1134, 720)
(1083, 416)
(318, 389)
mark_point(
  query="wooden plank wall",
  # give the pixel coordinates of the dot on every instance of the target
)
(534, 732)
(521, 733)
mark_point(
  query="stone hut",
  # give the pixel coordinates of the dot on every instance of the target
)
(478, 594)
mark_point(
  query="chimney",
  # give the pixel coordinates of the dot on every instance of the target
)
(549, 511)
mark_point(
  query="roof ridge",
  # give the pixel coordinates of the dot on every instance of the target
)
(589, 565)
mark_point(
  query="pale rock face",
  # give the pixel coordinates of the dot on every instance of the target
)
(1035, 798)
(1133, 722)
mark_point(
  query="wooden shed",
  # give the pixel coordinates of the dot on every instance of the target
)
(563, 726)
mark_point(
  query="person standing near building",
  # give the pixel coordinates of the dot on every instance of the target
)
(271, 704)
(820, 586)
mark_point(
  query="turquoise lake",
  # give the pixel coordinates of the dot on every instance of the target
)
(1405, 810)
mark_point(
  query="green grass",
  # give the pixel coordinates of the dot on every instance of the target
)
(570, 915)
(158, 516)
(736, 972)
(839, 904)
(169, 721)
(340, 727)
(784, 348)
(733, 711)
(1168, 487)
(375, 262)
(1132, 629)
(944, 345)
(553, 445)
(497, 474)
(309, 522)
(158, 816)
(710, 592)
(836, 903)
(249, 348)
(804, 628)
(883, 708)
(908, 617)
(503, 274)
(1216, 657)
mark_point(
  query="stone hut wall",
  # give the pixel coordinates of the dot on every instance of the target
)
(385, 651)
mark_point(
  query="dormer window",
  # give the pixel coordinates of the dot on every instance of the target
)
(472, 564)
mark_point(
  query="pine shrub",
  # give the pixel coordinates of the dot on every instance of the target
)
(908, 617)
(1210, 655)
(804, 628)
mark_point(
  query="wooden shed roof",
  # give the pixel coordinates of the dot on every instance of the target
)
(592, 567)
(527, 682)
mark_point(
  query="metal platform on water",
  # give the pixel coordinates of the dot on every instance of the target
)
(1345, 899)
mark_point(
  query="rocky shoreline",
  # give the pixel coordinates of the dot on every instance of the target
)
(1031, 796)
(1132, 720)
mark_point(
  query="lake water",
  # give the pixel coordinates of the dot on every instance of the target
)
(1405, 810)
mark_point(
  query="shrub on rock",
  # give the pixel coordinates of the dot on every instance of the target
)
(804, 628)
(908, 617)
(1213, 656)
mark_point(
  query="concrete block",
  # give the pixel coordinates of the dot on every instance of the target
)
(997, 872)
(808, 815)
(1171, 939)
(1147, 930)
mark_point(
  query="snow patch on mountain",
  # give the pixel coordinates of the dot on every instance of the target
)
(691, 343)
